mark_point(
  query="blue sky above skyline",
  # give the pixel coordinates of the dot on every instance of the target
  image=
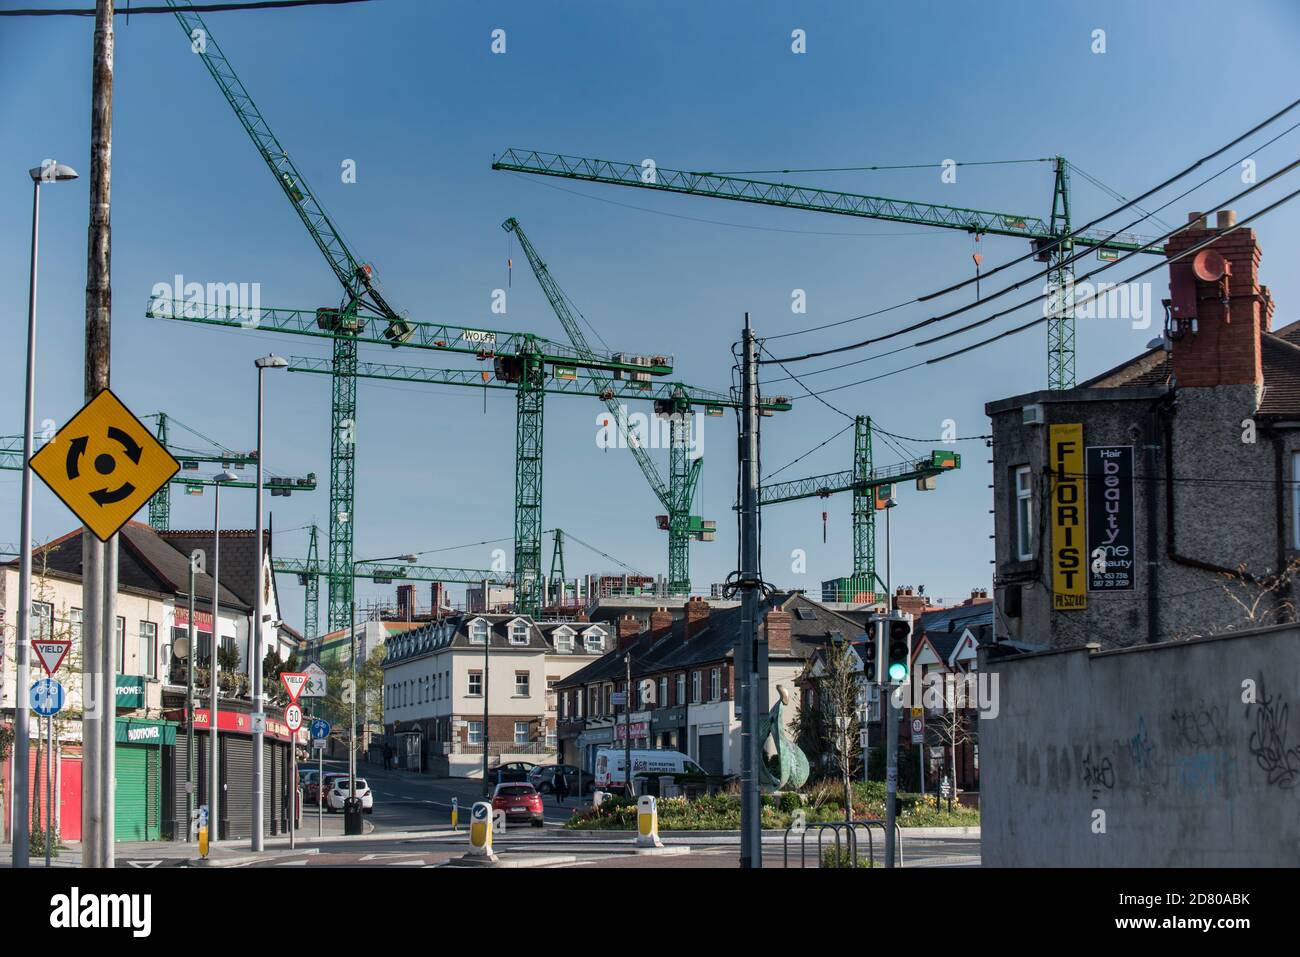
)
(411, 92)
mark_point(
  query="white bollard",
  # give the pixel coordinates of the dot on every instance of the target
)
(647, 822)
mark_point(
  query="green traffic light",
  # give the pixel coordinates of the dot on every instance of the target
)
(898, 672)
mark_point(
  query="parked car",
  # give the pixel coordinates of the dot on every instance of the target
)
(514, 771)
(648, 765)
(340, 789)
(519, 801)
(311, 787)
(543, 778)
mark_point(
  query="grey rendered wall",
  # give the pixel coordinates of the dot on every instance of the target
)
(1160, 744)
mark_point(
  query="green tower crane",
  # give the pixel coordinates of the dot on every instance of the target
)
(1051, 238)
(683, 473)
(863, 479)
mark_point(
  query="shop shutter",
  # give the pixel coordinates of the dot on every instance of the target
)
(153, 794)
(239, 785)
(129, 818)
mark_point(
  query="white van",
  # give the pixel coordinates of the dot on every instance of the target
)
(647, 764)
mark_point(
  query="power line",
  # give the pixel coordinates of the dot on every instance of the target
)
(804, 387)
(1053, 244)
(809, 452)
(1088, 275)
(908, 438)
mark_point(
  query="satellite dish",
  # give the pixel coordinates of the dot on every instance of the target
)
(1209, 266)
(181, 648)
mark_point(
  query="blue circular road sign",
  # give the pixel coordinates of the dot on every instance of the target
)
(320, 728)
(47, 697)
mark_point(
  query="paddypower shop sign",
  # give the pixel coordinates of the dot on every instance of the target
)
(130, 691)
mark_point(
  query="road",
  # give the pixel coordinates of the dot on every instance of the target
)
(410, 827)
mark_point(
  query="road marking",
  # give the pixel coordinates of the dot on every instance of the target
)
(418, 862)
(381, 856)
(291, 863)
(144, 864)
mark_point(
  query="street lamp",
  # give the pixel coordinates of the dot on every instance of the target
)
(255, 644)
(47, 172)
(214, 756)
(352, 816)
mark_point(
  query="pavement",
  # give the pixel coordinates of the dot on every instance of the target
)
(411, 827)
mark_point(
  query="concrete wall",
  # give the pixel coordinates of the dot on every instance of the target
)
(1187, 753)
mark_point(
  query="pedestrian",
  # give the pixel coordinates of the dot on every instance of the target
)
(561, 786)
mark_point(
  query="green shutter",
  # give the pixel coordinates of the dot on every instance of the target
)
(153, 794)
(129, 802)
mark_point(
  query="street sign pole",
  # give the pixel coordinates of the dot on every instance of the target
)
(891, 770)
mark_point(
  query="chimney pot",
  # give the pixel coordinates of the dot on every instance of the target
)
(1196, 220)
(1225, 218)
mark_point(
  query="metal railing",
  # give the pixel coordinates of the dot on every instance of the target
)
(850, 829)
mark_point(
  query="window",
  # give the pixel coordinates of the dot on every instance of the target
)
(435, 687)
(594, 641)
(695, 687)
(475, 732)
(521, 732)
(563, 640)
(519, 632)
(476, 684)
(663, 693)
(715, 684)
(521, 684)
(1024, 514)
(149, 649)
(74, 622)
(592, 701)
(550, 739)
(42, 625)
(121, 645)
(681, 689)
(609, 699)
(478, 632)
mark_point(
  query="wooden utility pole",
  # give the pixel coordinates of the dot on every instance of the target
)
(98, 625)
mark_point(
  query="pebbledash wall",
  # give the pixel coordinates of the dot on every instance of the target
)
(1187, 752)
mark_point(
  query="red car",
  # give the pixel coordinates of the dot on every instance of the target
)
(520, 801)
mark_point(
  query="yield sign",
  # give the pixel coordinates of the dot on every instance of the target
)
(294, 682)
(51, 652)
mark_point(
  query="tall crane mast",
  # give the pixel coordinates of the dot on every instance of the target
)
(1052, 238)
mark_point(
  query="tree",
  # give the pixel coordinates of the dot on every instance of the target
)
(953, 727)
(367, 691)
(830, 730)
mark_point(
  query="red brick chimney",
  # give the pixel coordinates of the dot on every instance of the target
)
(629, 626)
(1217, 343)
(406, 601)
(906, 600)
(661, 620)
(697, 616)
(777, 625)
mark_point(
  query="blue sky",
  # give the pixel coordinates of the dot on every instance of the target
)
(411, 92)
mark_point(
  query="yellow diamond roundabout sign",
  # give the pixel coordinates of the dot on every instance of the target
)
(104, 465)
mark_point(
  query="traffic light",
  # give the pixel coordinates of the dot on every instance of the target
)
(898, 648)
(871, 654)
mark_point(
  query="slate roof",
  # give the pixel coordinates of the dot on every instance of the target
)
(1280, 357)
(453, 632)
(145, 562)
(714, 640)
(238, 556)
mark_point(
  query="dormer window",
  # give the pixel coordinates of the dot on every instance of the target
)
(478, 632)
(594, 641)
(519, 632)
(563, 639)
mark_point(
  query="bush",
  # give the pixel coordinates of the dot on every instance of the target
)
(36, 842)
(840, 857)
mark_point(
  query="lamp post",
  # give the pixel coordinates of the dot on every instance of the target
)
(255, 644)
(48, 172)
(487, 643)
(214, 754)
(351, 806)
(186, 649)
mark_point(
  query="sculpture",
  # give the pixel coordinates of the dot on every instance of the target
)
(791, 764)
